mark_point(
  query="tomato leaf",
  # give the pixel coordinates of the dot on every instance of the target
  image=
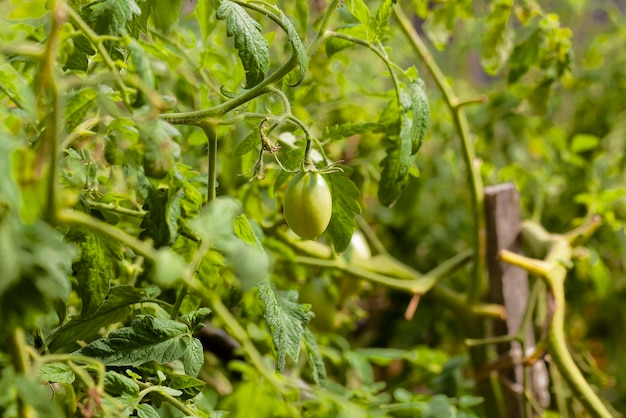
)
(286, 319)
(95, 269)
(56, 372)
(296, 44)
(77, 106)
(316, 361)
(115, 309)
(359, 10)
(497, 41)
(117, 384)
(379, 25)
(252, 47)
(109, 17)
(345, 207)
(147, 339)
(414, 115)
(190, 386)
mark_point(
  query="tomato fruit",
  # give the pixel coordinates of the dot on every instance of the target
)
(308, 205)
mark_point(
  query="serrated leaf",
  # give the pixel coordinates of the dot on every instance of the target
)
(359, 10)
(195, 318)
(109, 17)
(252, 47)
(379, 25)
(147, 339)
(497, 42)
(415, 113)
(334, 45)
(114, 309)
(118, 384)
(286, 319)
(316, 361)
(193, 358)
(347, 130)
(190, 386)
(345, 208)
(95, 269)
(56, 372)
(298, 47)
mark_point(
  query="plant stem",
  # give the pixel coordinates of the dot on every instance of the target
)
(54, 124)
(84, 221)
(460, 120)
(476, 286)
(197, 117)
(553, 271)
(98, 42)
(321, 31)
(211, 133)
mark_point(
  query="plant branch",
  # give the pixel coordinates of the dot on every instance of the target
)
(553, 270)
(460, 120)
(81, 220)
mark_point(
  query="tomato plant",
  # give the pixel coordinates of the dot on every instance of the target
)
(147, 150)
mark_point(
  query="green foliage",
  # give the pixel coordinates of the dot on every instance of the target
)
(253, 48)
(287, 320)
(146, 268)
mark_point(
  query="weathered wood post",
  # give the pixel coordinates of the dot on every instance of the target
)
(508, 286)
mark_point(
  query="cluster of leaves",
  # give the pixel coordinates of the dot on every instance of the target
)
(124, 293)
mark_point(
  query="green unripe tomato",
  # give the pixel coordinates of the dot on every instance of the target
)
(308, 205)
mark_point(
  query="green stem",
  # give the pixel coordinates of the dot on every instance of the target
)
(211, 133)
(115, 207)
(84, 221)
(556, 343)
(54, 124)
(554, 273)
(17, 348)
(199, 116)
(160, 391)
(98, 42)
(460, 120)
(209, 129)
(321, 31)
